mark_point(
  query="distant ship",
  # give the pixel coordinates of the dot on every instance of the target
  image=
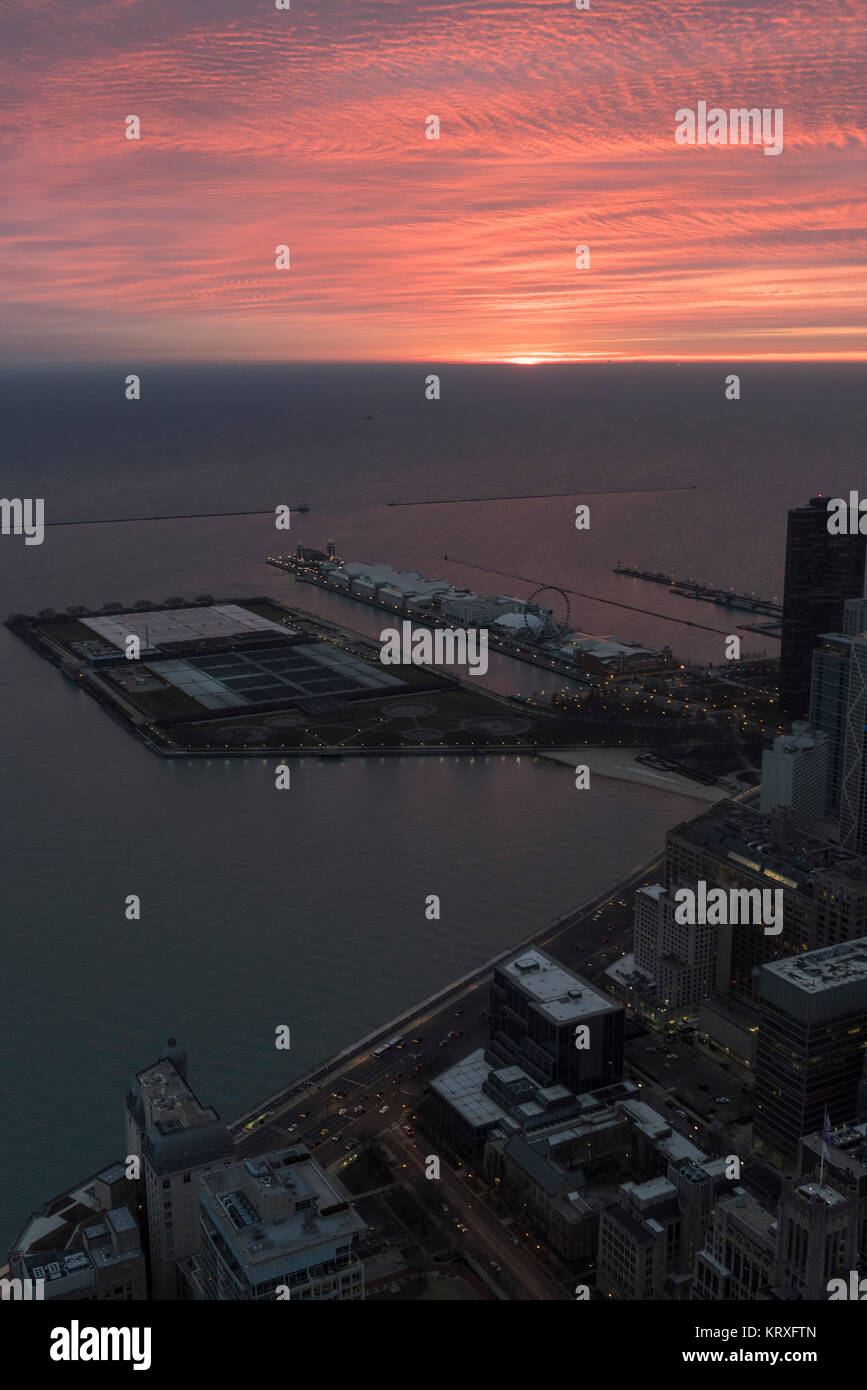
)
(302, 506)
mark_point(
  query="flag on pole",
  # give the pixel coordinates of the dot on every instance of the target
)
(826, 1137)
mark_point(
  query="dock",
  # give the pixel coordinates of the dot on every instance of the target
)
(705, 593)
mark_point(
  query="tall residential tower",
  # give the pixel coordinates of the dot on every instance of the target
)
(822, 571)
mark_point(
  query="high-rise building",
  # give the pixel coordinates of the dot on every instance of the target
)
(537, 1008)
(734, 846)
(731, 846)
(812, 1036)
(840, 1159)
(822, 571)
(177, 1138)
(276, 1227)
(838, 706)
(817, 1237)
(686, 962)
(794, 774)
(754, 1252)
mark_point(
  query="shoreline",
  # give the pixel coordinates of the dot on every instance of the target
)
(621, 764)
(542, 937)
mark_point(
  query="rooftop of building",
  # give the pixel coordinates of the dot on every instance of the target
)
(197, 623)
(55, 1226)
(94, 1249)
(607, 648)
(696, 1172)
(556, 991)
(744, 836)
(180, 1130)
(670, 1143)
(649, 1193)
(461, 1086)
(801, 739)
(516, 621)
(847, 1148)
(547, 1115)
(405, 581)
(829, 968)
(754, 1219)
(820, 1194)
(651, 890)
(269, 1207)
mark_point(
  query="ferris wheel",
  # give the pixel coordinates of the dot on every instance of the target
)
(557, 618)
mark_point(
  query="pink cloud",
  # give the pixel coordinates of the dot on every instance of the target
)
(306, 127)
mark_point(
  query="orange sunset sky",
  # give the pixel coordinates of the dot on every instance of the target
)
(306, 127)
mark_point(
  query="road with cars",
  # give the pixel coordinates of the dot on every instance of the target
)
(369, 1097)
(587, 941)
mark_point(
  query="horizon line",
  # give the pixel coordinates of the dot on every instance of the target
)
(515, 360)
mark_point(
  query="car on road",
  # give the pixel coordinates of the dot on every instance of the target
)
(383, 1110)
(303, 1114)
(259, 1120)
(407, 1129)
(515, 1241)
(444, 1042)
(458, 1013)
(416, 1040)
(722, 1100)
(682, 1114)
(323, 1132)
(291, 1129)
(342, 1111)
(348, 1146)
(461, 1227)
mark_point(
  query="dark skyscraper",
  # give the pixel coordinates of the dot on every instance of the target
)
(812, 1036)
(822, 571)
